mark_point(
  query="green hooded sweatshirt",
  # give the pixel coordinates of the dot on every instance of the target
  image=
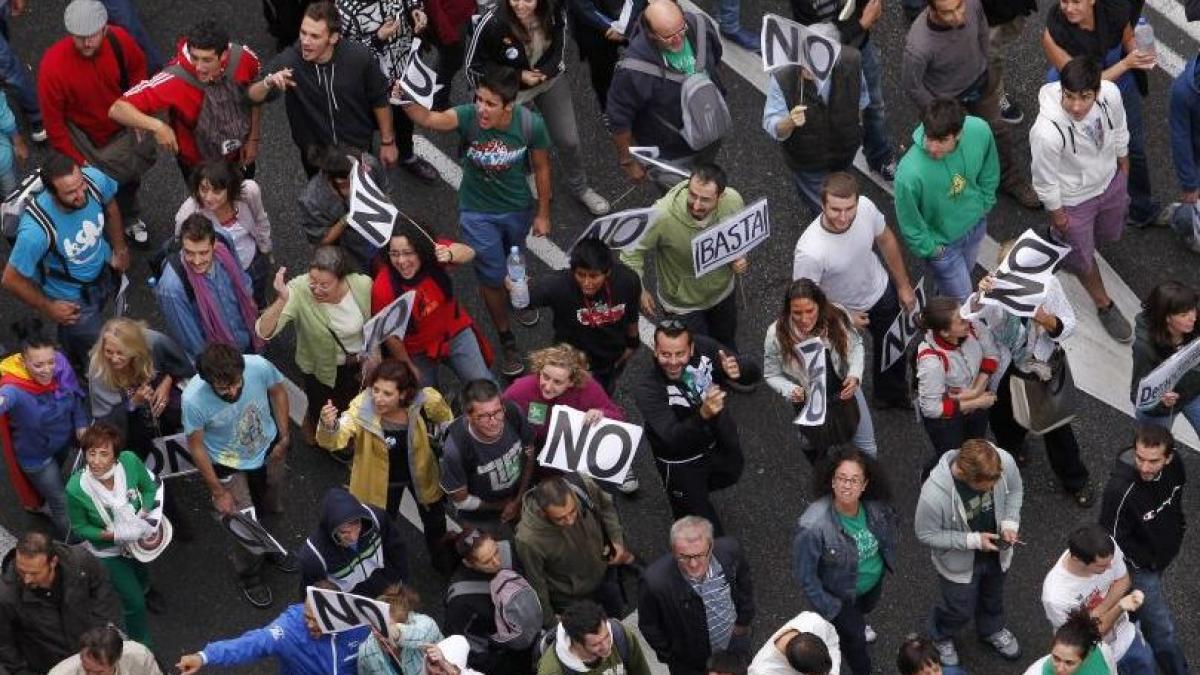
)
(938, 201)
(670, 238)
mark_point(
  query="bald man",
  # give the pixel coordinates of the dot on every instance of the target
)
(643, 101)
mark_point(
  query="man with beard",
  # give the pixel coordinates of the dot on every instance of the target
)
(235, 415)
(707, 305)
(682, 400)
(69, 252)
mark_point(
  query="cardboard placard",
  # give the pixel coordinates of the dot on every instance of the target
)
(622, 230)
(391, 320)
(371, 212)
(336, 611)
(811, 353)
(787, 43)
(1021, 278)
(731, 239)
(604, 450)
(903, 330)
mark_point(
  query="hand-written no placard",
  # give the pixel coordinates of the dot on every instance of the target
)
(787, 43)
(730, 239)
(335, 611)
(811, 353)
(604, 450)
(1021, 278)
(169, 456)
(371, 212)
(621, 231)
(903, 330)
(391, 320)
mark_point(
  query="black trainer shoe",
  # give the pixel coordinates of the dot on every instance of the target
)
(258, 594)
(1010, 112)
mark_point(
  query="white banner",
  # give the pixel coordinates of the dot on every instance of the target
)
(419, 80)
(731, 239)
(371, 211)
(170, 456)
(336, 611)
(621, 231)
(811, 353)
(648, 154)
(1168, 373)
(604, 450)
(248, 532)
(1021, 278)
(787, 43)
(391, 320)
(902, 331)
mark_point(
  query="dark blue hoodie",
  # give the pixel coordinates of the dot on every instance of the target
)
(1185, 126)
(377, 560)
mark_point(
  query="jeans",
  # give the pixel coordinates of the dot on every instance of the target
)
(851, 624)
(48, 481)
(124, 14)
(729, 15)
(402, 129)
(982, 598)
(876, 145)
(466, 360)
(688, 483)
(1154, 618)
(78, 338)
(952, 268)
(718, 322)
(1190, 411)
(1141, 202)
(558, 111)
(1062, 448)
(985, 103)
(808, 186)
(16, 76)
(1138, 659)
(891, 384)
(864, 433)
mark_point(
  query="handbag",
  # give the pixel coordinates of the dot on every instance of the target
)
(1043, 406)
(130, 152)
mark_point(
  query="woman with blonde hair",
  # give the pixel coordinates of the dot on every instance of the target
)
(558, 375)
(132, 376)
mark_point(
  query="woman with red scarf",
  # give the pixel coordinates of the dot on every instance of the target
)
(439, 329)
(42, 404)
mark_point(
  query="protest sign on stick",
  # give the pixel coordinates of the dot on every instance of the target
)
(391, 320)
(730, 239)
(335, 611)
(902, 331)
(170, 456)
(419, 80)
(621, 231)
(1022, 276)
(787, 43)
(371, 212)
(648, 154)
(604, 450)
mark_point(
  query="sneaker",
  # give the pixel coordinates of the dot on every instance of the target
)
(593, 202)
(38, 134)
(1115, 323)
(869, 634)
(512, 365)
(1084, 496)
(630, 485)
(1161, 218)
(745, 39)
(1010, 112)
(1024, 195)
(137, 232)
(946, 652)
(527, 317)
(421, 169)
(886, 171)
(284, 563)
(259, 595)
(1005, 644)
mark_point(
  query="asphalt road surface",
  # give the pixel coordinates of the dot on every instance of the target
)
(196, 580)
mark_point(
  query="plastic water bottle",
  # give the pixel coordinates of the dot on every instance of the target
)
(519, 295)
(1143, 36)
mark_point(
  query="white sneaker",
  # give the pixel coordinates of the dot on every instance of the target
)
(593, 202)
(38, 135)
(869, 634)
(137, 232)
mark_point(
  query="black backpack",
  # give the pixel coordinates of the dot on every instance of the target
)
(24, 200)
(167, 255)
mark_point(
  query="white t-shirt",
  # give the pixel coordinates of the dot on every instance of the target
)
(770, 661)
(844, 265)
(1063, 591)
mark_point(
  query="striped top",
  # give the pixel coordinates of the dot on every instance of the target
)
(719, 611)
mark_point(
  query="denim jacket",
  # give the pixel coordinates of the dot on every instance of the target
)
(825, 557)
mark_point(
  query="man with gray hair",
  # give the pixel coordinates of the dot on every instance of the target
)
(696, 600)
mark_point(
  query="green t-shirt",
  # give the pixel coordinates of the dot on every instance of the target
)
(683, 60)
(870, 562)
(495, 162)
(981, 511)
(1094, 664)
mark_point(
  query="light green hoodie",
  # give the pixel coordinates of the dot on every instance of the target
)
(670, 238)
(930, 214)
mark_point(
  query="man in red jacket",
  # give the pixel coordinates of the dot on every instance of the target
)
(79, 78)
(203, 56)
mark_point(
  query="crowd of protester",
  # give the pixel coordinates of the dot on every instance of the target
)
(535, 561)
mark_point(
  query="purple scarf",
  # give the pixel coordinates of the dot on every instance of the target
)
(210, 311)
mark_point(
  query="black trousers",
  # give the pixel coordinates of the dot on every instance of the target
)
(1062, 449)
(689, 484)
(851, 623)
(718, 322)
(948, 433)
(433, 522)
(601, 55)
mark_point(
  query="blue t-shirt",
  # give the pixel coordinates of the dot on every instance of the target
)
(236, 435)
(81, 241)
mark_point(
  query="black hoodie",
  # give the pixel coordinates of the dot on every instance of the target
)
(1145, 517)
(378, 559)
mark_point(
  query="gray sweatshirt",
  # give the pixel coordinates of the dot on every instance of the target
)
(944, 62)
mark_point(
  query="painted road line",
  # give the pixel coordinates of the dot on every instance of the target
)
(1102, 367)
(1172, 10)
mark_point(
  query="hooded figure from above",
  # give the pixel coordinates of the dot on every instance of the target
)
(355, 546)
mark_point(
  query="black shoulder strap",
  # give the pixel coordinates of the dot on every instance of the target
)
(176, 263)
(620, 641)
(119, 54)
(46, 223)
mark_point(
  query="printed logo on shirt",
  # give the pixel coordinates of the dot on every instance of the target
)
(700, 376)
(978, 505)
(248, 438)
(866, 543)
(493, 156)
(1153, 513)
(503, 471)
(80, 249)
(600, 314)
(537, 413)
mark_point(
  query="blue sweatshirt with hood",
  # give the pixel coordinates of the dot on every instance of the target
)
(288, 640)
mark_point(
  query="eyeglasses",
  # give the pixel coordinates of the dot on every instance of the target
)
(852, 481)
(489, 416)
(672, 36)
(684, 558)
